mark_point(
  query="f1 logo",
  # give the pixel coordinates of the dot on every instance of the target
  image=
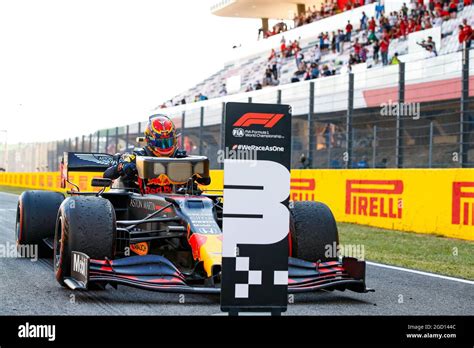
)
(250, 118)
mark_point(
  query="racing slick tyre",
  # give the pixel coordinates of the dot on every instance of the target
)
(86, 224)
(35, 221)
(312, 228)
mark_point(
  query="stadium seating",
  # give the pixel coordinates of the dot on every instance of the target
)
(251, 69)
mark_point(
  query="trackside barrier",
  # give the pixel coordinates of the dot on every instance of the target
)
(430, 201)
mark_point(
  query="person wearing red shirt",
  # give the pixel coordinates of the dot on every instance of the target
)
(467, 2)
(418, 26)
(384, 44)
(461, 35)
(453, 9)
(272, 54)
(348, 31)
(283, 49)
(403, 27)
(372, 24)
(411, 26)
(467, 33)
(357, 48)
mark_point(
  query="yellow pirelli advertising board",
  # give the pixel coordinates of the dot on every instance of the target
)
(432, 201)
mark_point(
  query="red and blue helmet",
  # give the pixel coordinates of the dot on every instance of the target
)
(160, 136)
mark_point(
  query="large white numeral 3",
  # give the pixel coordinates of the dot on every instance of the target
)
(244, 200)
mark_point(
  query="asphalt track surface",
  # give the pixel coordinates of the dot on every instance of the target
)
(29, 288)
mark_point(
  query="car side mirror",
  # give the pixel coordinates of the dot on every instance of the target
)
(101, 182)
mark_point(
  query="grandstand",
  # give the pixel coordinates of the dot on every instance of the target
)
(250, 67)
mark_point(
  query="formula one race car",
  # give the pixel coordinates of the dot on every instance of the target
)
(166, 242)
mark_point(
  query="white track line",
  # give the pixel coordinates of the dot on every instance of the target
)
(421, 273)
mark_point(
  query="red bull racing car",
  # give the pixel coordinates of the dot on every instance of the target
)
(165, 242)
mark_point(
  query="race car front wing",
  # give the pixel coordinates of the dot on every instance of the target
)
(157, 273)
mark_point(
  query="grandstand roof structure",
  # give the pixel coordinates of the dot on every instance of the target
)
(275, 9)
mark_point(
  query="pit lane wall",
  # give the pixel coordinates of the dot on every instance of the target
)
(431, 201)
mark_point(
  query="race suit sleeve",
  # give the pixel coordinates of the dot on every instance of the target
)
(125, 167)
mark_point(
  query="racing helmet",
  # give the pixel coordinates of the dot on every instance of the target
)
(160, 136)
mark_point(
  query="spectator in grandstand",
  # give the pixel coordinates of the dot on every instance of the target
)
(339, 40)
(436, 20)
(299, 58)
(362, 163)
(327, 135)
(307, 75)
(274, 67)
(295, 47)
(283, 47)
(333, 42)
(371, 24)
(430, 47)
(384, 44)
(316, 54)
(395, 60)
(321, 41)
(363, 54)
(326, 71)
(404, 10)
(201, 97)
(258, 86)
(268, 77)
(379, 9)
(465, 34)
(372, 37)
(279, 64)
(295, 78)
(314, 71)
(349, 28)
(301, 69)
(272, 54)
(363, 21)
(431, 5)
(223, 91)
(352, 59)
(453, 8)
(357, 48)
(305, 162)
(249, 88)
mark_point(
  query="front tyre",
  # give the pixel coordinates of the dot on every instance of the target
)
(313, 232)
(85, 224)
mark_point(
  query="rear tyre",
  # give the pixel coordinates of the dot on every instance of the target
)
(313, 232)
(35, 221)
(85, 224)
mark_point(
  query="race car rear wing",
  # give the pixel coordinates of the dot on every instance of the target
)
(83, 162)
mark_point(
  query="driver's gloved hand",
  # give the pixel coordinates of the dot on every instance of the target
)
(127, 169)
